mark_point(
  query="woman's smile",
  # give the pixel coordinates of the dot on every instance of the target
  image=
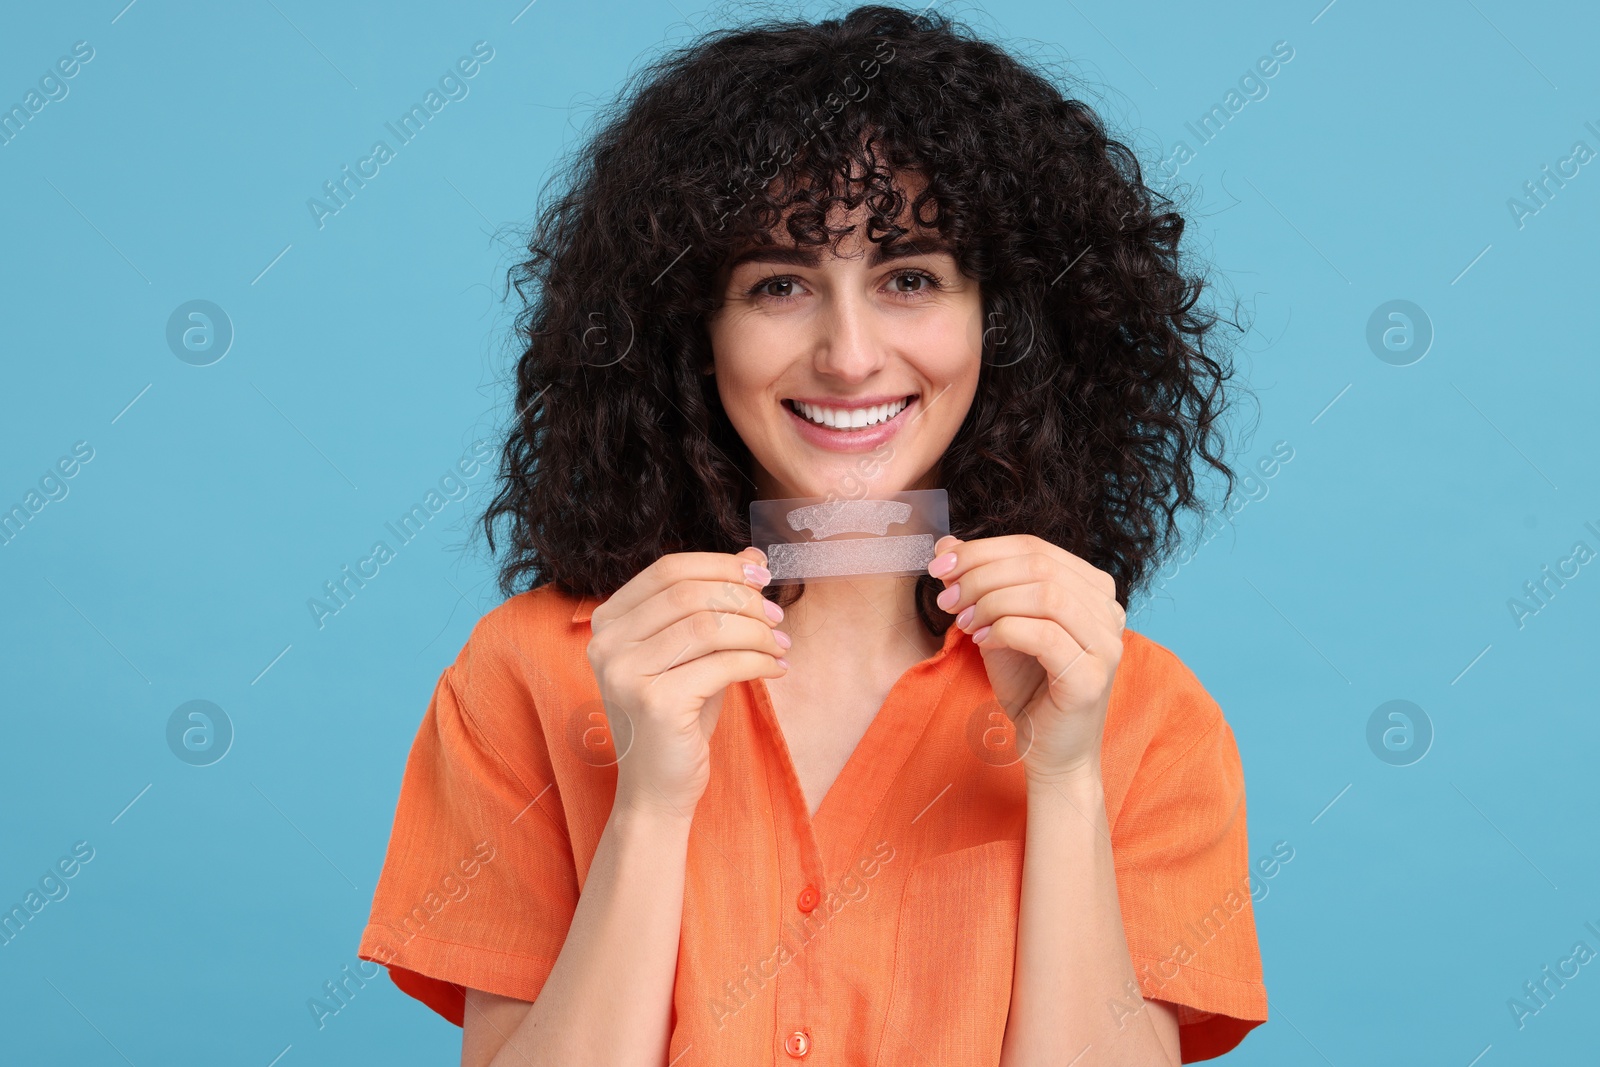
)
(849, 425)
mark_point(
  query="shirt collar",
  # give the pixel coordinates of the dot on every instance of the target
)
(586, 606)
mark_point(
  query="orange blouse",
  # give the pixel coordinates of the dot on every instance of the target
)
(882, 931)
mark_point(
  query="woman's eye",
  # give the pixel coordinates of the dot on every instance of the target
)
(778, 288)
(783, 288)
(921, 281)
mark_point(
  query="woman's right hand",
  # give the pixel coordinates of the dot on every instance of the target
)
(665, 648)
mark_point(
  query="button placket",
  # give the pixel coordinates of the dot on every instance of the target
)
(799, 1001)
(799, 983)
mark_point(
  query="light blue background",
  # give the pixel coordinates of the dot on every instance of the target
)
(370, 355)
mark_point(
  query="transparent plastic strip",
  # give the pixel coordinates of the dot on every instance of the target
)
(811, 538)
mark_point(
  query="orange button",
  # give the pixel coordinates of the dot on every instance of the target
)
(808, 898)
(797, 1044)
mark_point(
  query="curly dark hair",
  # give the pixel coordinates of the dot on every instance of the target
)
(1092, 403)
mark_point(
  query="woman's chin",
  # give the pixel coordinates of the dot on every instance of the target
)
(847, 482)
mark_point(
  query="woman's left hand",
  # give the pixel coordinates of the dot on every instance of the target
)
(1050, 630)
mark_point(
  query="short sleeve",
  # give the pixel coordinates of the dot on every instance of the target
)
(1184, 878)
(478, 886)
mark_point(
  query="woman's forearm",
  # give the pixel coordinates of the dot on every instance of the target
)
(1072, 961)
(608, 1000)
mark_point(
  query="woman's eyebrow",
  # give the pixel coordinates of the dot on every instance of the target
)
(806, 256)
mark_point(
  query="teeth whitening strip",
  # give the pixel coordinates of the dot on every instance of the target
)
(819, 538)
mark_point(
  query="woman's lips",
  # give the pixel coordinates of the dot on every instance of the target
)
(863, 440)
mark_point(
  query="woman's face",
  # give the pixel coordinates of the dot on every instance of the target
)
(847, 373)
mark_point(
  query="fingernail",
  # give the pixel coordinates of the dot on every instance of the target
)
(965, 616)
(782, 638)
(980, 635)
(948, 598)
(774, 612)
(754, 572)
(783, 663)
(943, 565)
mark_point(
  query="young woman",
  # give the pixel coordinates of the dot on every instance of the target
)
(659, 812)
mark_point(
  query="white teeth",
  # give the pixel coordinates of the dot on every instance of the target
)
(849, 418)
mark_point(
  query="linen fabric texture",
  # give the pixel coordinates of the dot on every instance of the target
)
(883, 929)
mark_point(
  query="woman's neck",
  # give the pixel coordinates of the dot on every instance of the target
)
(855, 621)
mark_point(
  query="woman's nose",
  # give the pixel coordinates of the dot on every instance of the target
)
(850, 346)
